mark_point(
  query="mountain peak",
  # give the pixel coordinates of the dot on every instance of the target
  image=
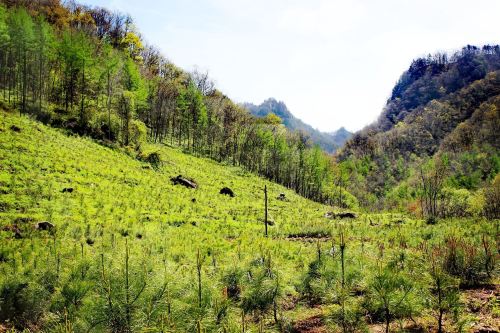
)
(329, 142)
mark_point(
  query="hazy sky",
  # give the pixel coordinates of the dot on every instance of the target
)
(332, 62)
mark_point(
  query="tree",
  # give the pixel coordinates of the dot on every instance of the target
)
(390, 289)
(22, 37)
(44, 45)
(432, 178)
(445, 296)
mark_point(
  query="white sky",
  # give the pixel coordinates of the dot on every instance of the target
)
(333, 62)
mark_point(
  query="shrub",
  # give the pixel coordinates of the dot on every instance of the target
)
(389, 295)
(21, 303)
(455, 202)
(152, 157)
(466, 261)
(105, 126)
(138, 133)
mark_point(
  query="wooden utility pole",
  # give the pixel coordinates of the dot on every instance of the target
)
(265, 205)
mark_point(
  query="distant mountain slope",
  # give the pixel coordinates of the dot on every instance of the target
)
(329, 142)
(441, 105)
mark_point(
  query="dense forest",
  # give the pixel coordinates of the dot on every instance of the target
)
(329, 142)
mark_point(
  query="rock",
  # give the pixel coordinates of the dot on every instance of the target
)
(227, 191)
(179, 180)
(67, 190)
(342, 215)
(44, 225)
(14, 128)
(193, 200)
(90, 241)
(282, 197)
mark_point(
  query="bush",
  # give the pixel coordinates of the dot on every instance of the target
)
(467, 261)
(455, 202)
(152, 157)
(138, 133)
(21, 303)
(105, 126)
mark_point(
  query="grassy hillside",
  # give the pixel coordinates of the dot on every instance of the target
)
(132, 252)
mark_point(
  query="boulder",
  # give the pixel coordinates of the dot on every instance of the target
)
(227, 191)
(14, 128)
(282, 197)
(44, 225)
(179, 180)
(67, 190)
(341, 215)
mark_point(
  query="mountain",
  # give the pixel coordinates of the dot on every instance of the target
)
(341, 136)
(442, 108)
(329, 142)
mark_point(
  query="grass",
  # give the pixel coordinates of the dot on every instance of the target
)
(123, 255)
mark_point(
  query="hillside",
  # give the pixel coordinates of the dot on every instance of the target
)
(88, 69)
(137, 197)
(126, 250)
(330, 142)
(441, 107)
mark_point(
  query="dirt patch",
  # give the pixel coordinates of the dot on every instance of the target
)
(479, 301)
(312, 324)
(308, 239)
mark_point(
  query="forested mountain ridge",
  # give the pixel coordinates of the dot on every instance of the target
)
(329, 142)
(441, 106)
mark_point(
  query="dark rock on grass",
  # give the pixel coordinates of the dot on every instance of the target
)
(67, 190)
(14, 128)
(44, 225)
(180, 180)
(341, 215)
(193, 200)
(138, 236)
(14, 229)
(227, 191)
(282, 197)
(90, 241)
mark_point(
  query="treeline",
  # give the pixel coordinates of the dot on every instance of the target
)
(88, 70)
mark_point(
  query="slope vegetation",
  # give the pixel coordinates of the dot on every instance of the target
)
(94, 240)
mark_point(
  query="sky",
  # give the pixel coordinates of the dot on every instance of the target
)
(333, 62)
